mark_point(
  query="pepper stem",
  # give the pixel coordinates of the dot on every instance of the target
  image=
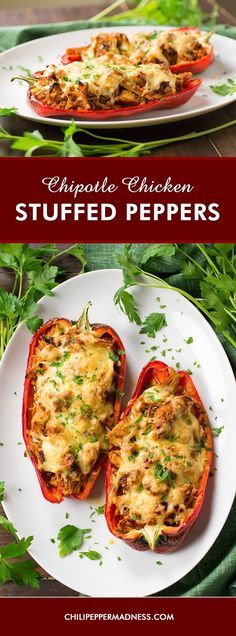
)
(206, 37)
(24, 78)
(83, 323)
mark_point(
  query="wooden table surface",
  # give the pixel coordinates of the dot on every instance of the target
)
(222, 144)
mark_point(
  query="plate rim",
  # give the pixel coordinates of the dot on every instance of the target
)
(112, 123)
(220, 347)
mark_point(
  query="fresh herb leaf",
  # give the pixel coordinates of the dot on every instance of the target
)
(8, 525)
(112, 355)
(128, 305)
(156, 250)
(227, 88)
(8, 112)
(153, 323)
(217, 431)
(22, 572)
(78, 379)
(92, 555)
(163, 474)
(100, 509)
(70, 539)
(2, 489)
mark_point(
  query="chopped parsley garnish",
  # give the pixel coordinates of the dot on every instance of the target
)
(60, 376)
(119, 394)
(112, 355)
(59, 363)
(78, 379)
(163, 473)
(217, 431)
(133, 455)
(189, 340)
(92, 555)
(94, 438)
(147, 430)
(100, 509)
(86, 410)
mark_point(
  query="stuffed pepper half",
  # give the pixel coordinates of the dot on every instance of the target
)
(159, 461)
(72, 397)
(100, 89)
(184, 49)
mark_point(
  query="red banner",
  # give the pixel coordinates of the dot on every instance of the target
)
(128, 200)
(117, 616)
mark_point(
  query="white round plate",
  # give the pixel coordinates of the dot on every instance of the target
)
(137, 573)
(38, 53)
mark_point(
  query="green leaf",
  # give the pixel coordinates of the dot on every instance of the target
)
(153, 323)
(4, 572)
(78, 252)
(34, 323)
(157, 250)
(70, 538)
(2, 490)
(8, 112)
(128, 305)
(8, 525)
(70, 148)
(129, 267)
(45, 279)
(92, 555)
(23, 573)
(13, 550)
(227, 88)
(10, 306)
(100, 509)
(217, 431)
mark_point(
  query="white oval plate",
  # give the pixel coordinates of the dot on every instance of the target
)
(38, 53)
(137, 573)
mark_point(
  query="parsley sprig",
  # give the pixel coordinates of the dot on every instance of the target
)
(173, 12)
(79, 142)
(70, 539)
(13, 566)
(208, 271)
(34, 274)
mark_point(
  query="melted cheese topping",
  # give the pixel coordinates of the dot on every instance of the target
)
(74, 392)
(104, 77)
(159, 455)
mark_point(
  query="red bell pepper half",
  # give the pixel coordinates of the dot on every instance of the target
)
(171, 537)
(194, 66)
(171, 101)
(51, 493)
